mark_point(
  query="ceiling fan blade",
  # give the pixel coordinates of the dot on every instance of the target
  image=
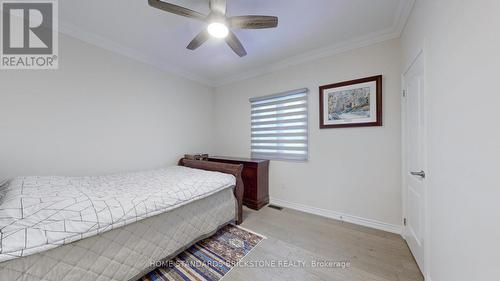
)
(178, 10)
(253, 22)
(201, 38)
(235, 44)
(218, 6)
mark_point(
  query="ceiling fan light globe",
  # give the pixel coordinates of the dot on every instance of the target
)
(218, 30)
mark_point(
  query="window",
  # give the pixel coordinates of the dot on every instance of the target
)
(280, 127)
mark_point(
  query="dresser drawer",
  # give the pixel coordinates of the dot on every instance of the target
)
(255, 177)
(249, 173)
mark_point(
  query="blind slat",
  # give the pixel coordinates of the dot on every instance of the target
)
(258, 113)
(287, 121)
(280, 134)
(279, 125)
(278, 156)
(281, 128)
(290, 148)
(279, 141)
(282, 114)
(256, 106)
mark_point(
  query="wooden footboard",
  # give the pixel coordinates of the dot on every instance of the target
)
(232, 169)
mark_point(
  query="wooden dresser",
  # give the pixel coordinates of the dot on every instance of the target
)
(255, 179)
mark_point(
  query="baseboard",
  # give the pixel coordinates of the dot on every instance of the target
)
(339, 216)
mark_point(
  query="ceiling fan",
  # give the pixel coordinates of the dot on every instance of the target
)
(219, 24)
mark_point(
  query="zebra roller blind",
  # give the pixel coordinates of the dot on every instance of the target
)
(280, 126)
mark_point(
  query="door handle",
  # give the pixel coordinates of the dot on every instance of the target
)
(418, 174)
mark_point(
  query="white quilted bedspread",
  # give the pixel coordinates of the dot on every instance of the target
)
(41, 213)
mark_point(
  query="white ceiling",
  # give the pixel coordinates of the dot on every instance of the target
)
(307, 29)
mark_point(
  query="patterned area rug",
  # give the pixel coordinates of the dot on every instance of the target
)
(209, 259)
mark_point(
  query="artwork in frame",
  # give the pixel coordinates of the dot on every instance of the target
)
(356, 103)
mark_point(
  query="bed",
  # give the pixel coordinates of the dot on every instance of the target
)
(115, 227)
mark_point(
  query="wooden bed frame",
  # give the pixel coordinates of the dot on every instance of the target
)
(232, 169)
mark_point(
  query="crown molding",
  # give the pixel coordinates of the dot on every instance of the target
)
(332, 50)
(107, 44)
(403, 13)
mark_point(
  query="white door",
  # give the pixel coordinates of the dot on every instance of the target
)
(415, 187)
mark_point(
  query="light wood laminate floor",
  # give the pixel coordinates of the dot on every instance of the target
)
(294, 236)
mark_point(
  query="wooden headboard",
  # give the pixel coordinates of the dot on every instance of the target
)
(233, 169)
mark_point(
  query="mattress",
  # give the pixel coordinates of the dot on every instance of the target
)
(69, 228)
(127, 252)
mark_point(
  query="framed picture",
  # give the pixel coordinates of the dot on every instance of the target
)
(356, 103)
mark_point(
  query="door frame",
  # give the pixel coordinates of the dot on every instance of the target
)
(420, 53)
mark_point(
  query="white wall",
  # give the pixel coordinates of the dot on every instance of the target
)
(355, 171)
(99, 113)
(462, 45)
